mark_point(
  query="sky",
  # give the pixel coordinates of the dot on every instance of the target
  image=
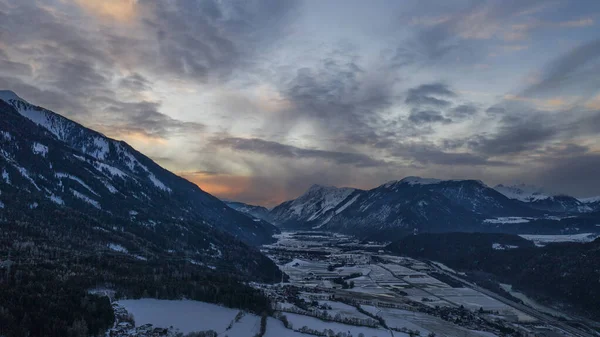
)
(257, 100)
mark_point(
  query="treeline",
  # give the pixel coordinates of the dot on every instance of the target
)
(561, 272)
(47, 268)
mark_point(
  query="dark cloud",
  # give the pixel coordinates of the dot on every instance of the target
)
(424, 153)
(275, 149)
(456, 35)
(341, 99)
(575, 72)
(495, 110)
(423, 95)
(208, 40)
(463, 111)
(428, 116)
(135, 82)
(142, 117)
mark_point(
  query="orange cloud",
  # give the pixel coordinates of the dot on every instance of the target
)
(120, 10)
(235, 187)
(550, 104)
(594, 103)
(221, 185)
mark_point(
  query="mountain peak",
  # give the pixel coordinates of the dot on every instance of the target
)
(7, 95)
(521, 191)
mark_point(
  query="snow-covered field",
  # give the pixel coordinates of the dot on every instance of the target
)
(542, 240)
(189, 316)
(424, 323)
(299, 321)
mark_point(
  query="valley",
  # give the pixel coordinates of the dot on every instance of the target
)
(340, 286)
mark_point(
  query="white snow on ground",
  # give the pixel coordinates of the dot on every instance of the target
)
(530, 302)
(299, 321)
(5, 176)
(542, 240)
(56, 199)
(1, 204)
(86, 198)
(508, 219)
(350, 202)
(419, 181)
(6, 135)
(499, 246)
(25, 175)
(110, 187)
(117, 248)
(158, 183)
(33, 205)
(61, 175)
(40, 149)
(113, 171)
(275, 328)
(185, 315)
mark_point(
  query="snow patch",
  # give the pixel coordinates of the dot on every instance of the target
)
(117, 248)
(56, 199)
(542, 240)
(499, 246)
(40, 149)
(507, 219)
(5, 176)
(350, 202)
(6, 135)
(85, 198)
(158, 183)
(61, 175)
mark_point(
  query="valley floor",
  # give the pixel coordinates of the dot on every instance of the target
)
(340, 287)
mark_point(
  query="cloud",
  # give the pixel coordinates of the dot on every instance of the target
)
(274, 149)
(120, 10)
(141, 118)
(575, 71)
(428, 116)
(423, 95)
(578, 23)
(463, 111)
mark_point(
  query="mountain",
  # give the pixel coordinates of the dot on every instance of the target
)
(82, 213)
(56, 159)
(51, 165)
(538, 200)
(592, 202)
(522, 192)
(312, 209)
(400, 208)
(253, 211)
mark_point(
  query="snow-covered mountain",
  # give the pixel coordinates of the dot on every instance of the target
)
(258, 212)
(54, 162)
(413, 204)
(522, 192)
(312, 209)
(538, 200)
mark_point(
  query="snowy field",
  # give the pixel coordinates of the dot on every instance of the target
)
(399, 319)
(542, 240)
(189, 316)
(299, 321)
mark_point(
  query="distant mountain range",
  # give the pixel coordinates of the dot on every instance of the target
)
(49, 163)
(415, 204)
